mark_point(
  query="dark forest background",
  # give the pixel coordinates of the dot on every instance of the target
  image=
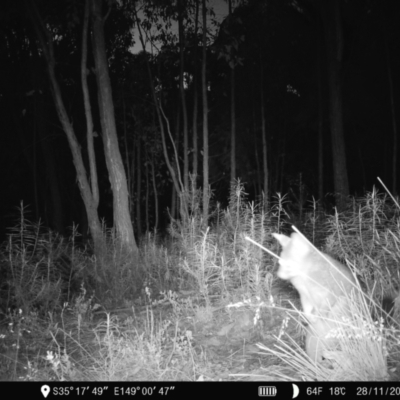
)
(273, 86)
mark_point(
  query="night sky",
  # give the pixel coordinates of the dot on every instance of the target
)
(281, 52)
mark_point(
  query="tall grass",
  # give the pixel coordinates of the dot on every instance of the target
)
(356, 348)
(150, 317)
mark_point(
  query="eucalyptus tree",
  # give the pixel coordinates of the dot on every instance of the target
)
(172, 52)
(49, 23)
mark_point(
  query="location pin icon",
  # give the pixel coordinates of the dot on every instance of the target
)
(45, 389)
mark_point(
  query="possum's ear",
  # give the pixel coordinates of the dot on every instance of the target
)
(295, 245)
(282, 239)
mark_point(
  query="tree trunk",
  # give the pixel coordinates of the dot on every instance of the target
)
(133, 181)
(233, 116)
(258, 178)
(139, 187)
(46, 42)
(127, 161)
(34, 173)
(233, 127)
(255, 131)
(195, 101)
(264, 143)
(334, 45)
(115, 166)
(177, 200)
(178, 186)
(147, 188)
(153, 178)
(320, 114)
(88, 110)
(205, 120)
(183, 100)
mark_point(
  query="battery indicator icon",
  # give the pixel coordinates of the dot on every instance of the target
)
(266, 391)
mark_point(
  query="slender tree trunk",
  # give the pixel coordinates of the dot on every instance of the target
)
(320, 115)
(233, 116)
(254, 125)
(205, 120)
(139, 187)
(153, 178)
(89, 198)
(264, 142)
(133, 180)
(147, 188)
(34, 172)
(178, 186)
(259, 188)
(195, 101)
(115, 166)
(88, 110)
(175, 195)
(153, 173)
(233, 127)
(183, 100)
(127, 161)
(334, 45)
